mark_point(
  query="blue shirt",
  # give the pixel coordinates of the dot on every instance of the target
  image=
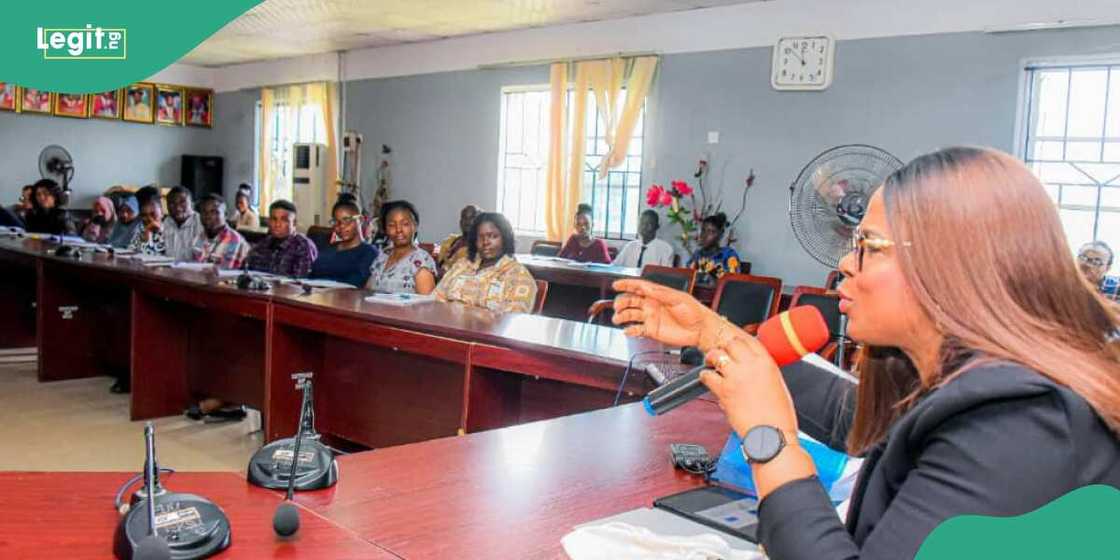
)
(1110, 287)
(350, 266)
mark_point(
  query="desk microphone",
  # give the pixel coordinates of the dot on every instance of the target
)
(787, 337)
(169, 526)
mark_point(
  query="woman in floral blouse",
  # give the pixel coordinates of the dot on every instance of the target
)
(402, 267)
(712, 261)
(149, 237)
(490, 277)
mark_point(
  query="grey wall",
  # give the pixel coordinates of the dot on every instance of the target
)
(105, 153)
(907, 95)
(234, 133)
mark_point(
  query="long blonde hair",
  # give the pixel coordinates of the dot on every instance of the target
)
(988, 262)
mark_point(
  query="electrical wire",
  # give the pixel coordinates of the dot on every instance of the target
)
(626, 372)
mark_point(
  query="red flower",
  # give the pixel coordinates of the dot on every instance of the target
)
(666, 198)
(653, 195)
(682, 188)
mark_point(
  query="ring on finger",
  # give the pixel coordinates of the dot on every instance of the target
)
(722, 361)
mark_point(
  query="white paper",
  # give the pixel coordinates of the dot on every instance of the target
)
(400, 299)
(319, 283)
(193, 266)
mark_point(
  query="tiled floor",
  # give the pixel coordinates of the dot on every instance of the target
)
(80, 426)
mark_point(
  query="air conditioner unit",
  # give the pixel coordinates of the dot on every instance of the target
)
(309, 179)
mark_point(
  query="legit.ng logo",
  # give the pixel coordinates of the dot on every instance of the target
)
(90, 43)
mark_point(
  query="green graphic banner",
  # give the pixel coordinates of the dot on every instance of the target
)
(1081, 524)
(83, 47)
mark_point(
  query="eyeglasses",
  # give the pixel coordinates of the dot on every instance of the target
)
(345, 221)
(1091, 261)
(861, 243)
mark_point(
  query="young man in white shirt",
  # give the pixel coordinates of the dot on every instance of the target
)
(647, 249)
(182, 225)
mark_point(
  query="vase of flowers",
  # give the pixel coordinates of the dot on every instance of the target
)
(687, 212)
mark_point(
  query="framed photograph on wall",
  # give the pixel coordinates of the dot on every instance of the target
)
(139, 103)
(35, 101)
(105, 105)
(169, 105)
(200, 107)
(9, 96)
(74, 105)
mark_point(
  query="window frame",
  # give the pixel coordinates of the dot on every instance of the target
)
(618, 234)
(1024, 137)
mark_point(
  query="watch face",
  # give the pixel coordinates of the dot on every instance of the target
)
(763, 443)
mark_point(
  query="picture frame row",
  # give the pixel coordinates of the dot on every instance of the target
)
(142, 102)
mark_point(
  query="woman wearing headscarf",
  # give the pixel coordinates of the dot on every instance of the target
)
(101, 224)
(128, 222)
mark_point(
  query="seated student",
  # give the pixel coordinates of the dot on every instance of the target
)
(1094, 260)
(127, 223)
(582, 245)
(402, 266)
(647, 249)
(243, 215)
(47, 214)
(348, 259)
(711, 260)
(285, 251)
(454, 248)
(143, 194)
(182, 226)
(101, 224)
(149, 237)
(218, 243)
(490, 277)
(26, 203)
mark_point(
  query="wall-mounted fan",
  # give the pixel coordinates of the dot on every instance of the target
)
(829, 197)
(56, 164)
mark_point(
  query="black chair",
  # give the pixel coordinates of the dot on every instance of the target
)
(747, 300)
(542, 248)
(321, 236)
(683, 279)
(252, 235)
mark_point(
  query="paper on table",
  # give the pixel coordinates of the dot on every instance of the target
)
(400, 299)
(193, 265)
(318, 283)
(654, 534)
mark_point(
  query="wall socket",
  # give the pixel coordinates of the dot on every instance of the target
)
(713, 137)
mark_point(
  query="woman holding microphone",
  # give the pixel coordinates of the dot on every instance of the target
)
(991, 384)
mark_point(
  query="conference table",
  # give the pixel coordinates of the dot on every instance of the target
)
(507, 493)
(384, 374)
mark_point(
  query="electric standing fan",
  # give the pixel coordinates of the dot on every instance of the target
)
(56, 164)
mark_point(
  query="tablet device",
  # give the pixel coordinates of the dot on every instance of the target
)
(720, 508)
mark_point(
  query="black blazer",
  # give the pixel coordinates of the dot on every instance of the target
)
(998, 440)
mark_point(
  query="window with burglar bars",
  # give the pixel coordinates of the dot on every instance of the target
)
(1072, 142)
(523, 167)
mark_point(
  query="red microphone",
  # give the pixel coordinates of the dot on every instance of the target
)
(787, 337)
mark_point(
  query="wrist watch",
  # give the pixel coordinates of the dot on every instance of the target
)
(762, 443)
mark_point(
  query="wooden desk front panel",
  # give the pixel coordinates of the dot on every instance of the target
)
(83, 317)
(18, 293)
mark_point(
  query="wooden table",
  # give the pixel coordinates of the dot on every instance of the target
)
(71, 516)
(385, 375)
(513, 493)
(573, 287)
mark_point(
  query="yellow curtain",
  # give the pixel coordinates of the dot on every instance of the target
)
(620, 125)
(264, 158)
(323, 95)
(556, 195)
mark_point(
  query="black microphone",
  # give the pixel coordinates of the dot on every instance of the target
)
(786, 337)
(317, 468)
(170, 525)
(151, 547)
(286, 520)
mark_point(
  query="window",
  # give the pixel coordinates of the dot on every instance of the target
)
(523, 164)
(292, 125)
(1072, 142)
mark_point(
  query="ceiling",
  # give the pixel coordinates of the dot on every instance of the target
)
(286, 28)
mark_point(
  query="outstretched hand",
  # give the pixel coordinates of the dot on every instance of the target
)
(669, 316)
